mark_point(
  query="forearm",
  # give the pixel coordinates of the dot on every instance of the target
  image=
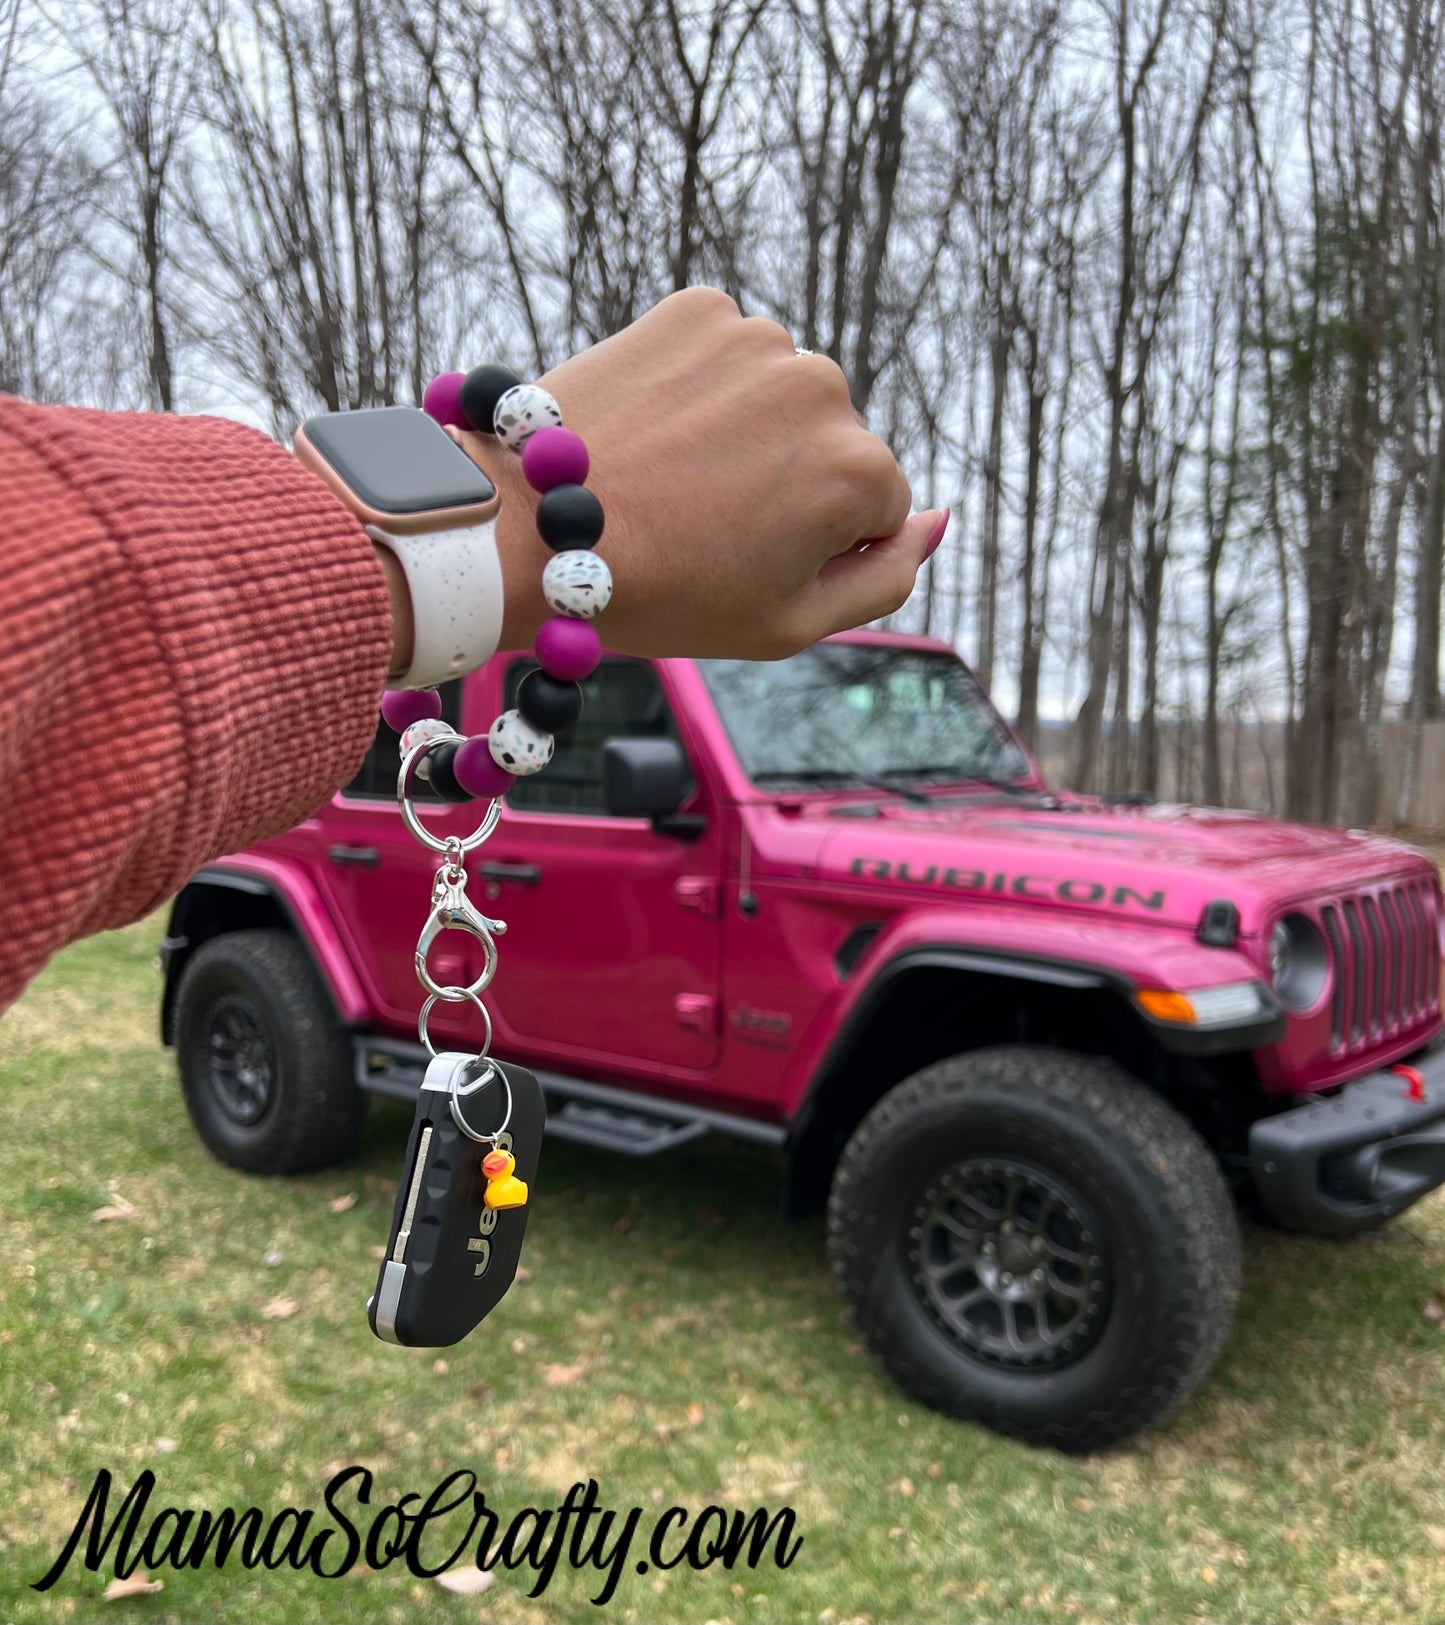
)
(195, 636)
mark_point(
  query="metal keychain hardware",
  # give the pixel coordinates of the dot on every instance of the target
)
(452, 909)
(451, 1255)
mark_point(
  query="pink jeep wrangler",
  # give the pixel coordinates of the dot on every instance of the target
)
(1026, 1046)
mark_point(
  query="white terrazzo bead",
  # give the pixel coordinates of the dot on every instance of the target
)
(517, 746)
(577, 583)
(427, 728)
(521, 411)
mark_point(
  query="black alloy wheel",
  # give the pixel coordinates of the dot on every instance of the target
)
(267, 1069)
(241, 1060)
(1032, 1239)
(1004, 1255)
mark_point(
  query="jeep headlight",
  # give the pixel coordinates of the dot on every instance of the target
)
(1299, 963)
(1281, 954)
(1234, 1004)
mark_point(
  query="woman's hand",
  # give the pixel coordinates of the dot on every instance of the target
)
(737, 482)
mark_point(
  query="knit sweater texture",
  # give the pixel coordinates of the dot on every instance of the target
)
(194, 635)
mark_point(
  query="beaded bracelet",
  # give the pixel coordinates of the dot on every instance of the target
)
(576, 584)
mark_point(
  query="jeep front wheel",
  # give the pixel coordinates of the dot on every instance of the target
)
(1033, 1240)
(266, 1066)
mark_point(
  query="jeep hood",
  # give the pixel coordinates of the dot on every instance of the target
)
(1160, 863)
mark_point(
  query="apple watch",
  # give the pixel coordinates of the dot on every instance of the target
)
(421, 497)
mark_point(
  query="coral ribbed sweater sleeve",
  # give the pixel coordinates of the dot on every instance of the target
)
(194, 635)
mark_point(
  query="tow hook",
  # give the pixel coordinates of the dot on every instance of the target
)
(1341, 1163)
(1414, 1083)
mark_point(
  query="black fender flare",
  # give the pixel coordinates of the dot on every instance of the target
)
(1031, 969)
(250, 900)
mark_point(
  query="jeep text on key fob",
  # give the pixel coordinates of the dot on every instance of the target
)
(452, 1254)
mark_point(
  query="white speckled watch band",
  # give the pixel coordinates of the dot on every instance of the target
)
(455, 581)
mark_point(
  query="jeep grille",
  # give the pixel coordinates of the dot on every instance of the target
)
(1385, 944)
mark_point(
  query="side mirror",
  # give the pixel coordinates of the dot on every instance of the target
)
(649, 778)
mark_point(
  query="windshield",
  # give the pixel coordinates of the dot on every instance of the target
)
(861, 713)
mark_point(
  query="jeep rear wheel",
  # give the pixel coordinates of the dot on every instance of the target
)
(266, 1067)
(1035, 1241)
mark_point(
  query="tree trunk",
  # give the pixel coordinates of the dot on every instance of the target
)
(1032, 639)
(992, 495)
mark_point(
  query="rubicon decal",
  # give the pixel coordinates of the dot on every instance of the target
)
(1040, 888)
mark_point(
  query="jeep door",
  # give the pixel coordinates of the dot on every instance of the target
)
(612, 959)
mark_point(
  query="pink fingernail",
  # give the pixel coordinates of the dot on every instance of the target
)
(935, 536)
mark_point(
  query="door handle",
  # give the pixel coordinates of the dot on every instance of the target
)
(367, 856)
(528, 874)
(698, 892)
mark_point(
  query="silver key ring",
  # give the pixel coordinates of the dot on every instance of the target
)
(437, 843)
(493, 1071)
(466, 993)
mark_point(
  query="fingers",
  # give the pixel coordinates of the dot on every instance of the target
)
(858, 587)
(825, 380)
(879, 493)
(810, 391)
(691, 308)
(865, 490)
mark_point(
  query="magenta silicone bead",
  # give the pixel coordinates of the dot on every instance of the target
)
(554, 457)
(442, 400)
(478, 772)
(568, 650)
(402, 706)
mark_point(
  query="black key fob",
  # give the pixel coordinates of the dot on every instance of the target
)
(451, 1257)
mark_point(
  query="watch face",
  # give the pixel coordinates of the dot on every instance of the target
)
(397, 460)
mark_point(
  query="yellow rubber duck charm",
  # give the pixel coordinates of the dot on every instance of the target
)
(504, 1189)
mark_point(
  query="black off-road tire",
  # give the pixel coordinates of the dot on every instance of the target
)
(292, 1104)
(1148, 1193)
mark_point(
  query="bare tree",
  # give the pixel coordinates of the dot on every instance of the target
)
(1000, 84)
(1180, 374)
(871, 176)
(138, 60)
(50, 193)
(1165, 66)
(321, 237)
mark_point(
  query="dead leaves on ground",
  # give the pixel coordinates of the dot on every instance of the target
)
(138, 1584)
(562, 1376)
(465, 1582)
(279, 1309)
(665, 1430)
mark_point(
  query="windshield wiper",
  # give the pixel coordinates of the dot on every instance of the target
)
(956, 775)
(949, 773)
(840, 776)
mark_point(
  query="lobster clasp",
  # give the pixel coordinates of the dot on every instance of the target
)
(453, 910)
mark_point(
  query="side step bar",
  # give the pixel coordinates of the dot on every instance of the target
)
(595, 1114)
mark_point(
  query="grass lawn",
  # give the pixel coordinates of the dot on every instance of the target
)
(674, 1341)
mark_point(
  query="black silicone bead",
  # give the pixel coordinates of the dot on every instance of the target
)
(441, 772)
(547, 703)
(569, 517)
(482, 388)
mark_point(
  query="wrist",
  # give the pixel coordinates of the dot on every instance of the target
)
(520, 550)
